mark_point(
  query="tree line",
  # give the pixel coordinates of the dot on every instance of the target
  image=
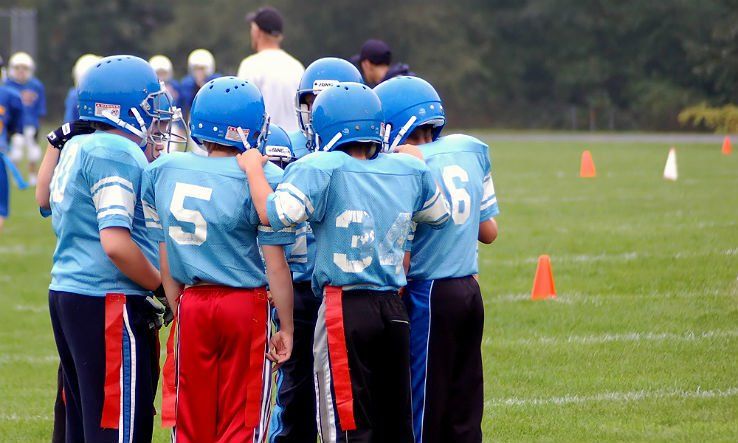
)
(560, 64)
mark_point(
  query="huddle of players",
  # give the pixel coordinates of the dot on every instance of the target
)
(371, 200)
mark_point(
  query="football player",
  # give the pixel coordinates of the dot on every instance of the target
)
(201, 213)
(21, 68)
(11, 120)
(359, 203)
(103, 267)
(294, 411)
(443, 297)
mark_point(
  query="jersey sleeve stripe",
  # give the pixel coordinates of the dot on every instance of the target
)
(111, 180)
(489, 188)
(288, 187)
(436, 214)
(489, 203)
(110, 212)
(114, 196)
(290, 209)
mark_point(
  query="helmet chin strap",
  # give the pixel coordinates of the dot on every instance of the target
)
(403, 131)
(385, 139)
(244, 140)
(140, 132)
(333, 141)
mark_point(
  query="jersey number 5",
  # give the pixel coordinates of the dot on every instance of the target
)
(181, 192)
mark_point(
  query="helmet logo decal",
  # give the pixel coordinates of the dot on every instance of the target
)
(319, 85)
(233, 135)
(282, 152)
(105, 109)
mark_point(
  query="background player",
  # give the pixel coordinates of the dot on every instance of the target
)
(200, 211)
(294, 411)
(444, 300)
(11, 120)
(360, 228)
(21, 68)
(103, 264)
(81, 66)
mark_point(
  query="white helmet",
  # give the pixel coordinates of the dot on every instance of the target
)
(82, 65)
(201, 58)
(20, 59)
(162, 63)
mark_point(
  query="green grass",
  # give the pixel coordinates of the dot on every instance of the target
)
(640, 344)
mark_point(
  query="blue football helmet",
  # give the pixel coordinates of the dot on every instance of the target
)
(229, 111)
(409, 102)
(278, 147)
(320, 74)
(346, 113)
(123, 91)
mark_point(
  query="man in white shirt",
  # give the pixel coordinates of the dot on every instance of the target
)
(275, 72)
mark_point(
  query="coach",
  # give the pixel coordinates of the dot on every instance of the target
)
(275, 72)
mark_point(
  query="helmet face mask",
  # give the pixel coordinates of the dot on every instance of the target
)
(320, 75)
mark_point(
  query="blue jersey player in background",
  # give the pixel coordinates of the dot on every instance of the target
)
(294, 412)
(360, 204)
(443, 297)
(81, 66)
(21, 68)
(103, 266)
(200, 211)
(11, 120)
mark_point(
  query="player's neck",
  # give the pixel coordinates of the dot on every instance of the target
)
(128, 135)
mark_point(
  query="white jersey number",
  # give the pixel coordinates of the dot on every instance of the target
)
(390, 248)
(61, 173)
(460, 198)
(182, 191)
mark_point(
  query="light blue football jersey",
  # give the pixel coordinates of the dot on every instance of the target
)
(96, 185)
(461, 165)
(301, 255)
(360, 212)
(202, 208)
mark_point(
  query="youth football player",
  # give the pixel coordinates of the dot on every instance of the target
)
(81, 66)
(201, 213)
(360, 204)
(103, 267)
(21, 68)
(443, 298)
(294, 412)
(11, 120)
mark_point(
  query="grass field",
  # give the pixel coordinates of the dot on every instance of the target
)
(640, 345)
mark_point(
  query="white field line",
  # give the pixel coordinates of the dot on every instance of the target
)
(570, 298)
(16, 417)
(22, 250)
(31, 308)
(31, 359)
(618, 397)
(687, 336)
(625, 256)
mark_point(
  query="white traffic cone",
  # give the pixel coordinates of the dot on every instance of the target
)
(670, 170)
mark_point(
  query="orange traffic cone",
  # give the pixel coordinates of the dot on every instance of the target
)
(587, 167)
(543, 284)
(727, 149)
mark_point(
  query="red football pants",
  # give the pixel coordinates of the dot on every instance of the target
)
(222, 341)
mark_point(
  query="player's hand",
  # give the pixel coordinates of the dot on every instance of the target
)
(59, 136)
(155, 314)
(168, 314)
(410, 150)
(280, 348)
(251, 159)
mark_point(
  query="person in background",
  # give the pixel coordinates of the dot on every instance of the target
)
(375, 63)
(21, 68)
(275, 72)
(165, 72)
(200, 70)
(11, 120)
(81, 66)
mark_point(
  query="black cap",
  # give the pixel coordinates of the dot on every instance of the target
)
(267, 19)
(376, 51)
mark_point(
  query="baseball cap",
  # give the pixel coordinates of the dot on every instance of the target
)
(376, 51)
(268, 19)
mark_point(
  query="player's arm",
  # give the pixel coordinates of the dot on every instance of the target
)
(488, 211)
(252, 163)
(45, 172)
(128, 257)
(280, 286)
(56, 141)
(172, 288)
(488, 231)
